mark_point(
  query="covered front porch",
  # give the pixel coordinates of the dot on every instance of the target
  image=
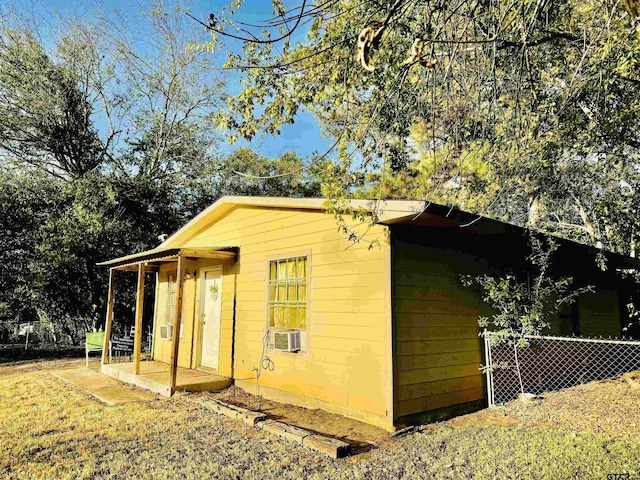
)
(162, 377)
(154, 376)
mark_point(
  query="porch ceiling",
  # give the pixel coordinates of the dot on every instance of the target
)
(159, 255)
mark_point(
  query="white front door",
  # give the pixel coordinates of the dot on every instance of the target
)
(211, 310)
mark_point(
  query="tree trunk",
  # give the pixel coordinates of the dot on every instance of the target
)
(587, 222)
(534, 213)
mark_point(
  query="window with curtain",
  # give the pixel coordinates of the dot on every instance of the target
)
(171, 298)
(288, 293)
(171, 303)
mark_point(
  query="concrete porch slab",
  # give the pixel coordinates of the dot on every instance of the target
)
(154, 376)
(103, 388)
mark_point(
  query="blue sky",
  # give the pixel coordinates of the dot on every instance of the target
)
(303, 137)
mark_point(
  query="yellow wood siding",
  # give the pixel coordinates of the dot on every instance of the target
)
(437, 349)
(162, 348)
(599, 314)
(189, 348)
(347, 361)
(437, 353)
(390, 331)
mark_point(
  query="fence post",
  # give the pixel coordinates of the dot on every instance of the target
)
(487, 359)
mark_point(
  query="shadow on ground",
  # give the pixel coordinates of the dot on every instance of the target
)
(361, 436)
(12, 353)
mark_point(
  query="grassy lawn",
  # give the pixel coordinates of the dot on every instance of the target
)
(48, 429)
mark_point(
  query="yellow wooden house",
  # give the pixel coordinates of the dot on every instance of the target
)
(368, 321)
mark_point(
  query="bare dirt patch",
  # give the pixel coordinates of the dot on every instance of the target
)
(359, 435)
(607, 407)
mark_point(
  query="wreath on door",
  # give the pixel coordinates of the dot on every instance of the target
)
(213, 290)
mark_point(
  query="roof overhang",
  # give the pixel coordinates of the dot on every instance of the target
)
(440, 216)
(151, 258)
(388, 212)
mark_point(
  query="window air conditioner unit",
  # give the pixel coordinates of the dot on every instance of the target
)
(286, 340)
(166, 332)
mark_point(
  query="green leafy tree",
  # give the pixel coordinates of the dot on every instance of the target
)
(507, 94)
(44, 113)
(244, 172)
(23, 206)
(67, 210)
(524, 308)
(526, 111)
(155, 169)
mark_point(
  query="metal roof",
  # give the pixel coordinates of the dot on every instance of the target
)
(388, 212)
(170, 254)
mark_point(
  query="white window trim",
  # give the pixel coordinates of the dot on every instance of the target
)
(167, 318)
(306, 353)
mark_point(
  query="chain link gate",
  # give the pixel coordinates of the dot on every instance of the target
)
(553, 363)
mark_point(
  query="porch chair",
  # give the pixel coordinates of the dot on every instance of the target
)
(146, 348)
(95, 343)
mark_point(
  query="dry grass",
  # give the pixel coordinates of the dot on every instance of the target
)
(23, 368)
(15, 360)
(51, 430)
(607, 407)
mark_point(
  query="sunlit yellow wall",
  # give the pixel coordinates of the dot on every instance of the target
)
(162, 348)
(189, 348)
(348, 359)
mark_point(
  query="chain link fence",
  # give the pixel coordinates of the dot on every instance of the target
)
(553, 363)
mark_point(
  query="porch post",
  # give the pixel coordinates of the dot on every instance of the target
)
(109, 319)
(137, 336)
(177, 314)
